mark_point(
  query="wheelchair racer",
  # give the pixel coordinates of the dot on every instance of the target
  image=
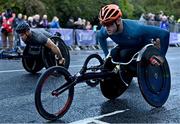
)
(129, 35)
(38, 37)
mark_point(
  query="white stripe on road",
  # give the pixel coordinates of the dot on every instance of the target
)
(9, 71)
(75, 66)
(94, 119)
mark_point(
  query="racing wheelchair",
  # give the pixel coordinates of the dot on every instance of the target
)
(34, 58)
(55, 88)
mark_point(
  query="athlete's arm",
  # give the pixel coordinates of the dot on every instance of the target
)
(101, 37)
(156, 32)
(55, 50)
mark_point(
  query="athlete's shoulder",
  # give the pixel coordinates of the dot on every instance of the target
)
(131, 22)
(103, 32)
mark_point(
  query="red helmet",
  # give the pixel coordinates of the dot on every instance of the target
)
(109, 13)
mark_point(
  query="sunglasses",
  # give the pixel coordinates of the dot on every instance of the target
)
(108, 24)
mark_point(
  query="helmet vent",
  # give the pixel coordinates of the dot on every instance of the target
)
(115, 14)
(105, 12)
(105, 7)
(109, 13)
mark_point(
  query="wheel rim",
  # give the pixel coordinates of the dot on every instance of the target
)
(52, 107)
(93, 62)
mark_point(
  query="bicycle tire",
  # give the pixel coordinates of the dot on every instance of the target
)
(41, 98)
(113, 87)
(32, 64)
(49, 58)
(95, 82)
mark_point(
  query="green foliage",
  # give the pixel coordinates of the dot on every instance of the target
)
(126, 8)
(89, 9)
(169, 7)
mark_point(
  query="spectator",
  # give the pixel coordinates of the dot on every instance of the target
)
(18, 20)
(178, 21)
(7, 29)
(30, 21)
(83, 23)
(88, 25)
(1, 18)
(164, 24)
(142, 19)
(55, 22)
(178, 25)
(44, 22)
(172, 24)
(172, 20)
(78, 24)
(151, 19)
(25, 18)
(157, 17)
(70, 23)
(36, 21)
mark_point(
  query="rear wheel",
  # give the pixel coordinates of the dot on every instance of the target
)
(49, 57)
(31, 63)
(154, 81)
(51, 104)
(113, 87)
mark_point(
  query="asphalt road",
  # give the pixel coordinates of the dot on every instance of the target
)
(89, 105)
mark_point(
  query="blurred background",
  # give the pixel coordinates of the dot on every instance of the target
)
(88, 9)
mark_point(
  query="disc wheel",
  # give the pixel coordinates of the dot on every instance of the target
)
(154, 81)
(31, 63)
(113, 87)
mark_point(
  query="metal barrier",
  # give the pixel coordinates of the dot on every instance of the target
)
(77, 37)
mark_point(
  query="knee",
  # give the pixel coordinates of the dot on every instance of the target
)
(115, 54)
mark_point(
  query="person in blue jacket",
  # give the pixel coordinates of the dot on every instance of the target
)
(129, 35)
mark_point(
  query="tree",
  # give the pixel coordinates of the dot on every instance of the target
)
(89, 9)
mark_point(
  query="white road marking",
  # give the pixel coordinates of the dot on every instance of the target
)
(99, 122)
(7, 71)
(10, 71)
(94, 119)
(75, 66)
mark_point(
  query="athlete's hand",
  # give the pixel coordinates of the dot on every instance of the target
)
(157, 43)
(156, 60)
(62, 61)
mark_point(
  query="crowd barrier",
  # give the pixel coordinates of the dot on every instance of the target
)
(88, 37)
(66, 34)
(174, 39)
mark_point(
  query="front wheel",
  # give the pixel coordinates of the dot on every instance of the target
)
(49, 102)
(92, 64)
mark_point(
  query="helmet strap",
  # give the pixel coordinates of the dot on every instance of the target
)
(117, 26)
